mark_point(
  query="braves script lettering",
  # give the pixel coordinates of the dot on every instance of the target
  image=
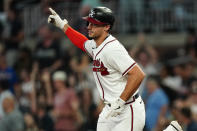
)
(98, 66)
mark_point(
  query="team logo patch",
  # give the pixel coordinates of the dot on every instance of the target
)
(91, 13)
(98, 66)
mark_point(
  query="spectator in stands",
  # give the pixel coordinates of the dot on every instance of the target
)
(25, 91)
(84, 74)
(72, 81)
(193, 96)
(88, 110)
(24, 60)
(186, 119)
(191, 44)
(156, 103)
(66, 105)
(42, 101)
(44, 120)
(144, 60)
(7, 73)
(13, 120)
(171, 83)
(146, 57)
(48, 90)
(47, 52)
(30, 123)
(15, 35)
(182, 74)
(187, 74)
(191, 100)
(4, 92)
(80, 66)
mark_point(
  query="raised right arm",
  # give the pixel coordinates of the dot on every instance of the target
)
(75, 37)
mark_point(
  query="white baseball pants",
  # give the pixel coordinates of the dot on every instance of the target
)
(131, 119)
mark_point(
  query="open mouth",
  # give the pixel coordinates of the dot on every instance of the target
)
(90, 32)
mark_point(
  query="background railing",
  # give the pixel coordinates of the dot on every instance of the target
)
(131, 15)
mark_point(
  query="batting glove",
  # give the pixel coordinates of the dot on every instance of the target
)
(174, 126)
(115, 108)
(56, 20)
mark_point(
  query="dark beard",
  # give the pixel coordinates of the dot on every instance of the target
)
(94, 38)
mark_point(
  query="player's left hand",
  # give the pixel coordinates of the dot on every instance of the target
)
(115, 108)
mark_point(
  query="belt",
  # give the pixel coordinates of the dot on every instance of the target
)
(133, 99)
(129, 102)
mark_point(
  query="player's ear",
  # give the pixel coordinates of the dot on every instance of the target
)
(107, 28)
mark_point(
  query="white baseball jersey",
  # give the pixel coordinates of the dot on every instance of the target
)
(111, 62)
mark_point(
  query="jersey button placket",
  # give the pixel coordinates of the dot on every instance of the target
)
(98, 77)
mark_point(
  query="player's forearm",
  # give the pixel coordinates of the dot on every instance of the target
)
(75, 37)
(135, 77)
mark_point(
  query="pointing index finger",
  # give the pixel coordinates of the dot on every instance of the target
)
(52, 11)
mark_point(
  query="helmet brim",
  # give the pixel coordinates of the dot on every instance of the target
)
(93, 21)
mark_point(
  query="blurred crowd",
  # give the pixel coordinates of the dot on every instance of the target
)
(156, 15)
(45, 86)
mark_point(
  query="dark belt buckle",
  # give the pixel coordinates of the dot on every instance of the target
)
(134, 97)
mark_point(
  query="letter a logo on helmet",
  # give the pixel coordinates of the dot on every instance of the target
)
(91, 13)
(100, 16)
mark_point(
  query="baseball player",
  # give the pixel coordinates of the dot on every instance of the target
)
(116, 74)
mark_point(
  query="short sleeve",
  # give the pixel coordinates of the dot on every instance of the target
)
(164, 100)
(119, 59)
(88, 46)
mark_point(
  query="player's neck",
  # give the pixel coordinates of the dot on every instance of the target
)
(100, 39)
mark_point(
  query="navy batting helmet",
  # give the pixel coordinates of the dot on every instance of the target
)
(100, 16)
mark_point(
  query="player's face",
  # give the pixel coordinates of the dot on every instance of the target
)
(95, 31)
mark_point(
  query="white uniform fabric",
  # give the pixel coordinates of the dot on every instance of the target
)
(131, 119)
(111, 63)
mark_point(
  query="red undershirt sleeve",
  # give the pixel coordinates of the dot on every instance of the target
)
(76, 38)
